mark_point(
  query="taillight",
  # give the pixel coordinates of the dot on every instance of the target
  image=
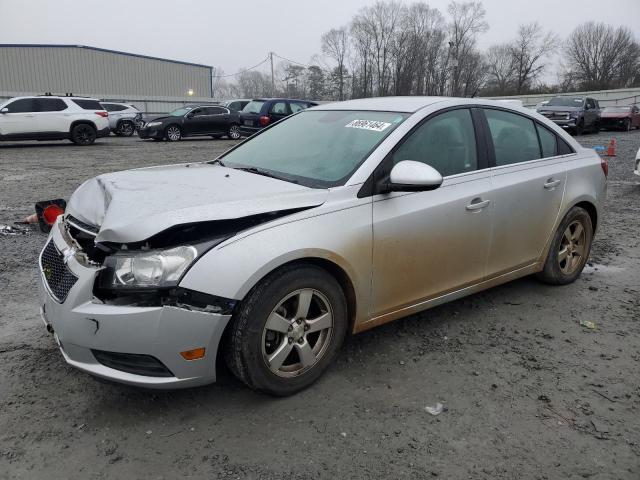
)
(604, 163)
(102, 114)
(264, 121)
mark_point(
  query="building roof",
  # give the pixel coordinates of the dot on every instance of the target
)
(40, 45)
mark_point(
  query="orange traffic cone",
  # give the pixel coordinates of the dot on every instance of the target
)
(611, 151)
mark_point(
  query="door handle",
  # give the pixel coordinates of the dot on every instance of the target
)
(477, 204)
(551, 184)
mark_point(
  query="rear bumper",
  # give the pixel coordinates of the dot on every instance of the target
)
(248, 131)
(104, 132)
(83, 323)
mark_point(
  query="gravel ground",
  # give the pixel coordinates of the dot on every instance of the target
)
(529, 393)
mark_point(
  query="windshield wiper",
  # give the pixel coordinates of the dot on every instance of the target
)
(265, 173)
(219, 162)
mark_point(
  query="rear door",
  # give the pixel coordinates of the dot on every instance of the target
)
(219, 119)
(50, 117)
(427, 244)
(20, 119)
(528, 182)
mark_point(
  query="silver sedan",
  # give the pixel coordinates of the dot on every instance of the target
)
(333, 221)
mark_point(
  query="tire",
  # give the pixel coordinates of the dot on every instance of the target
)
(173, 133)
(560, 269)
(251, 348)
(234, 132)
(83, 134)
(579, 130)
(125, 129)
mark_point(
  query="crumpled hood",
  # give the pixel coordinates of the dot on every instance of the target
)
(133, 205)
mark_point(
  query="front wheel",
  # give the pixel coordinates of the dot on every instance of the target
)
(234, 132)
(579, 130)
(83, 134)
(173, 133)
(569, 249)
(287, 331)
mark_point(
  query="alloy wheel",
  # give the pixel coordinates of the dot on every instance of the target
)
(234, 132)
(173, 133)
(297, 332)
(572, 248)
(126, 129)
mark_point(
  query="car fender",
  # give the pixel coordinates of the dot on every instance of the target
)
(234, 267)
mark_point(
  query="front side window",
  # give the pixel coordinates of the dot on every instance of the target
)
(216, 111)
(318, 149)
(24, 105)
(514, 137)
(180, 112)
(446, 142)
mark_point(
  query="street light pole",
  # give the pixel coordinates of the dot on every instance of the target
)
(273, 82)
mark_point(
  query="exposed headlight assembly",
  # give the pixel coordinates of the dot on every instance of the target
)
(153, 124)
(143, 269)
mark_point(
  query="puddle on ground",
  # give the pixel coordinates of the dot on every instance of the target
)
(593, 267)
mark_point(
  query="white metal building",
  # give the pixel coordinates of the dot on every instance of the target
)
(153, 84)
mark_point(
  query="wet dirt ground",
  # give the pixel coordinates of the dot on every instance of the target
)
(529, 393)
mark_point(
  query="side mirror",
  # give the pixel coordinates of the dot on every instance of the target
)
(412, 176)
(4, 110)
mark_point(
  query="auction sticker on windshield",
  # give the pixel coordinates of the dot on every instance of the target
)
(369, 125)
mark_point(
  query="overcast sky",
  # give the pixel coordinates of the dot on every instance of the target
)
(238, 34)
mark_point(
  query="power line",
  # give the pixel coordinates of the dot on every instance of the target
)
(242, 71)
(291, 61)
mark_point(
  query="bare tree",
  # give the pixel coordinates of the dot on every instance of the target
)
(467, 22)
(528, 52)
(500, 69)
(603, 57)
(335, 44)
(254, 84)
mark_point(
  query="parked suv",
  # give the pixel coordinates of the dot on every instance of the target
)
(213, 120)
(333, 221)
(576, 114)
(51, 117)
(121, 118)
(261, 112)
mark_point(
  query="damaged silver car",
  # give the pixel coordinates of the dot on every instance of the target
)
(335, 220)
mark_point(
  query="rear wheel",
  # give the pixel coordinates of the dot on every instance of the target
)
(234, 132)
(287, 331)
(83, 134)
(125, 129)
(569, 249)
(173, 133)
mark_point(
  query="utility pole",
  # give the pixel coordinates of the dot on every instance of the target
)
(273, 82)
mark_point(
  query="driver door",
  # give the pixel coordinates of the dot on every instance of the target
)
(428, 244)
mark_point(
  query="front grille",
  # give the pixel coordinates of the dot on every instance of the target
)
(79, 224)
(58, 277)
(132, 363)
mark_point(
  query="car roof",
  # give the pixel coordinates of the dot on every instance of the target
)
(54, 96)
(385, 104)
(280, 100)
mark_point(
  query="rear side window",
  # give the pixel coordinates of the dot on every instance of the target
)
(514, 137)
(548, 142)
(24, 105)
(279, 108)
(49, 105)
(446, 142)
(564, 148)
(112, 107)
(254, 106)
(87, 104)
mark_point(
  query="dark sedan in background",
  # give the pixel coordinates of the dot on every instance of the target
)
(200, 120)
(261, 112)
(620, 118)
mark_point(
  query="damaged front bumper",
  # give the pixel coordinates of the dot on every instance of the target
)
(129, 344)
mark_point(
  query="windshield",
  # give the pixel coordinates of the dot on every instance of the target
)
(617, 110)
(319, 149)
(565, 102)
(254, 106)
(180, 112)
